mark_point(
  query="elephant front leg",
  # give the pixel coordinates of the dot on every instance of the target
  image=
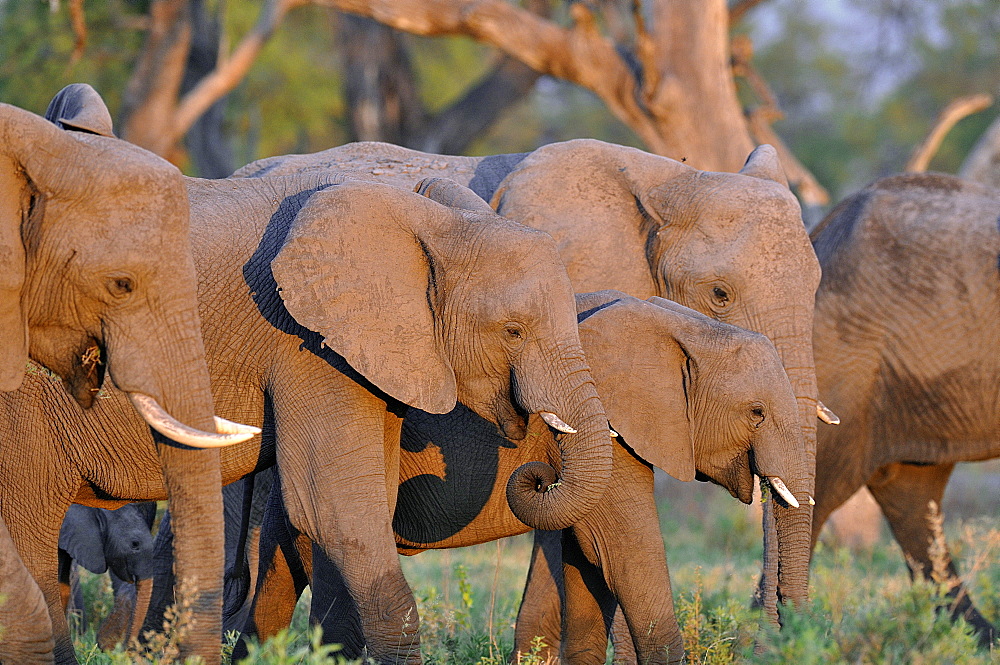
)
(622, 536)
(540, 614)
(905, 492)
(26, 622)
(333, 484)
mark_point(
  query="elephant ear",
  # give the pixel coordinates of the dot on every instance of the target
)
(79, 107)
(591, 197)
(354, 269)
(764, 163)
(449, 193)
(82, 537)
(642, 376)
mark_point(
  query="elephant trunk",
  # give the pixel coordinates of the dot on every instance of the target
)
(167, 362)
(787, 530)
(544, 498)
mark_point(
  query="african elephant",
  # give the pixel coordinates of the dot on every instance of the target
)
(115, 541)
(330, 306)
(683, 392)
(907, 331)
(732, 246)
(96, 275)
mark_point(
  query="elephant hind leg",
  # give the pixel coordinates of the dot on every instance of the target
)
(904, 492)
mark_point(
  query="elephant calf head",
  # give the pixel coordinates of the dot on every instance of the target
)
(435, 304)
(693, 396)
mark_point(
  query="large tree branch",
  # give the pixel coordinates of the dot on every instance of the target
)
(579, 54)
(229, 71)
(451, 130)
(949, 117)
(740, 9)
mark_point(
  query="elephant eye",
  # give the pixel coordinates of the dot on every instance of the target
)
(720, 296)
(514, 332)
(758, 415)
(121, 285)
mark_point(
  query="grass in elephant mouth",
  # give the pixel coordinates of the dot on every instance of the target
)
(864, 609)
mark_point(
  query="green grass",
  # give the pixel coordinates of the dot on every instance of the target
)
(864, 608)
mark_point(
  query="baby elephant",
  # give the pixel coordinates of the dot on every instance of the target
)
(118, 541)
(691, 395)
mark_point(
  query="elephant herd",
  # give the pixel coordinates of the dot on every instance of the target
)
(431, 351)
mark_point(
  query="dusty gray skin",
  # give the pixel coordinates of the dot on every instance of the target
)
(104, 225)
(731, 246)
(684, 392)
(330, 306)
(907, 331)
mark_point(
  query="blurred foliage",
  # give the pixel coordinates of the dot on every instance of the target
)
(861, 83)
(864, 608)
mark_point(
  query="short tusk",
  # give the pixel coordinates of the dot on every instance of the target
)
(812, 501)
(826, 415)
(555, 422)
(614, 434)
(157, 418)
(779, 486)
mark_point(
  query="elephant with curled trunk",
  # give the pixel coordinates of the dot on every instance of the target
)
(907, 332)
(328, 307)
(683, 392)
(729, 245)
(96, 277)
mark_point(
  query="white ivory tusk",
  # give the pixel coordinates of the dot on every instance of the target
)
(157, 418)
(614, 434)
(223, 426)
(555, 422)
(826, 415)
(779, 486)
(812, 501)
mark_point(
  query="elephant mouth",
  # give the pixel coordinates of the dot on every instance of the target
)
(86, 374)
(737, 481)
(508, 412)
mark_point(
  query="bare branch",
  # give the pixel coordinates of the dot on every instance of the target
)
(79, 24)
(740, 9)
(451, 130)
(579, 54)
(949, 117)
(230, 71)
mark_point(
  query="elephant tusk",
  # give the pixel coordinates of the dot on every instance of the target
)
(779, 487)
(614, 434)
(555, 422)
(223, 426)
(812, 501)
(157, 418)
(826, 415)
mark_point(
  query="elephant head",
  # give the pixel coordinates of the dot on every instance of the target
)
(718, 406)
(435, 304)
(119, 540)
(731, 246)
(96, 270)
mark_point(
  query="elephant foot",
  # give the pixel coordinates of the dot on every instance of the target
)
(963, 608)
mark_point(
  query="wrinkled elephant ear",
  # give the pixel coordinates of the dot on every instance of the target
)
(80, 108)
(354, 269)
(764, 163)
(82, 537)
(641, 373)
(591, 197)
(449, 193)
(15, 201)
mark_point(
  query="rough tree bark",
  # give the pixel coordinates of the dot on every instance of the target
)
(672, 85)
(385, 105)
